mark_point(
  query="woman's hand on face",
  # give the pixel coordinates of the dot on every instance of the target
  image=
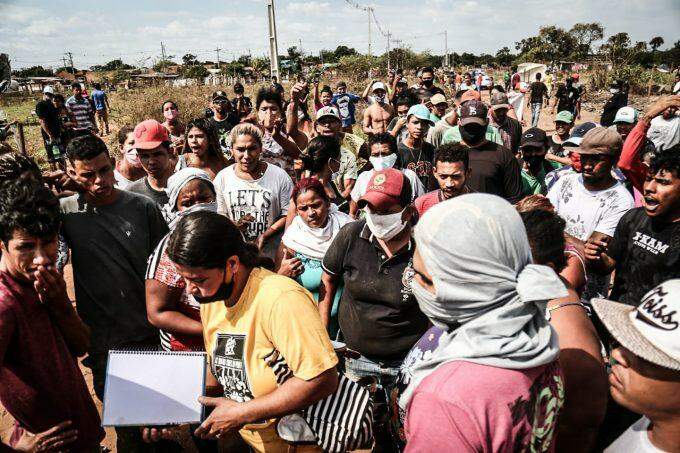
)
(227, 416)
(276, 132)
(291, 266)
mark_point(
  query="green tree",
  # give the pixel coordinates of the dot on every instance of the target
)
(584, 35)
(161, 64)
(189, 59)
(655, 43)
(619, 51)
(504, 57)
(197, 71)
(33, 71)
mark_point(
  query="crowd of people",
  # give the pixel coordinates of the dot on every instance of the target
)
(487, 286)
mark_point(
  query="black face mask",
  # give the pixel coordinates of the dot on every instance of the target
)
(222, 293)
(534, 162)
(472, 133)
(427, 83)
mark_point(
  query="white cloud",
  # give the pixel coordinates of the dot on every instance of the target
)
(315, 8)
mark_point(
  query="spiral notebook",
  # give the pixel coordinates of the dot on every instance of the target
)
(146, 388)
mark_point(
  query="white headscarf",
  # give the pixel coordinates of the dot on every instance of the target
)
(313, 242)
(490, 299)
(176, 183)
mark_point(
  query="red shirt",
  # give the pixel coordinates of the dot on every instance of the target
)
(425, 202)
(630, 161)
(40, 382)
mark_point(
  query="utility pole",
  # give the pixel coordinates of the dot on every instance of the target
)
(70, 59)
(273, 44)
(162, 57)
(300, 46)
(217, 52)
(369, 10)
(446, 48)
(388, 51)
(63, 58)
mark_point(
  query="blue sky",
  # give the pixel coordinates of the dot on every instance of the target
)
(39, 32)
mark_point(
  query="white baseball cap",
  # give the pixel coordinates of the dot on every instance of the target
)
(378, 86)
(48, 89)
(650, 331)
(626, 115)
(328, 110)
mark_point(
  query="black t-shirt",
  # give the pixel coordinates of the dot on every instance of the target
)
(224, 127)
(556, 148)
(514, 129)
(611, 107)
(496, 171)
(423, 94)
(378, 314)
(420, 161)
(246, 103)
(567, 97)
(647, 253)
(538, 92)
(45, 110)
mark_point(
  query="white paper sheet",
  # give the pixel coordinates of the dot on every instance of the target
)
(146, 388)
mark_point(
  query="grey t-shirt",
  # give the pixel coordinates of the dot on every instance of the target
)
(109, 249)
(142, 187)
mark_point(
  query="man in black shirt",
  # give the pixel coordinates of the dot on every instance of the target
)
(378, 313)
(426, 89)
(567, 98)
(494, 168)
(241, 104)
(619, 99)
(645, 249)
(415, 153)
(223, 117)
(499, 116)
(538, 92)
(50, 127)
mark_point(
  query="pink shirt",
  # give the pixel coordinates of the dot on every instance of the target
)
(464, 406)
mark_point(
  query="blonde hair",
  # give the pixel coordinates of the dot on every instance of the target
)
(246, 129)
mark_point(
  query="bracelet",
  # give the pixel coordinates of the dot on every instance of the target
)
(550, 310)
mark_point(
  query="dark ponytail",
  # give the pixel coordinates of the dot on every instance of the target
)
(207, 239)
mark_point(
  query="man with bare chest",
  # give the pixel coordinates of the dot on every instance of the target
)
(379, 113)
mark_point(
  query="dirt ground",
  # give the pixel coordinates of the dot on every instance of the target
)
(590, 112)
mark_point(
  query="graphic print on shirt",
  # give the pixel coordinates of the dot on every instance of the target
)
(649, 243)
(229, 367)
(540, 411)
(255, 202)
(406, 279)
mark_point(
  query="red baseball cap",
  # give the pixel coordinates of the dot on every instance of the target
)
(385, 188)
(149, 134)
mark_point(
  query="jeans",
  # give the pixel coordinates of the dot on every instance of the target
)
(380, 378)
(535, 113)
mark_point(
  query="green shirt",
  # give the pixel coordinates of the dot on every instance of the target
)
(453, 135)
(532, 185)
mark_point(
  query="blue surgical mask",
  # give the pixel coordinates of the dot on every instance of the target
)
(383, 162)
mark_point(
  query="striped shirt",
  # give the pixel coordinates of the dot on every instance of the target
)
(160, 268)
(82, 111)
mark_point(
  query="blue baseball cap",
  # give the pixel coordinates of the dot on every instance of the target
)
(421, 112)
(578, 132)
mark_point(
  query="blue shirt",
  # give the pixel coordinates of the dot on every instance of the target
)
(345, 103)
(98, 97)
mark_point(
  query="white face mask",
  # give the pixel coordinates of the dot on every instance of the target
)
(385, 226)
(383, 162)
(379, 99)
(613, 90)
